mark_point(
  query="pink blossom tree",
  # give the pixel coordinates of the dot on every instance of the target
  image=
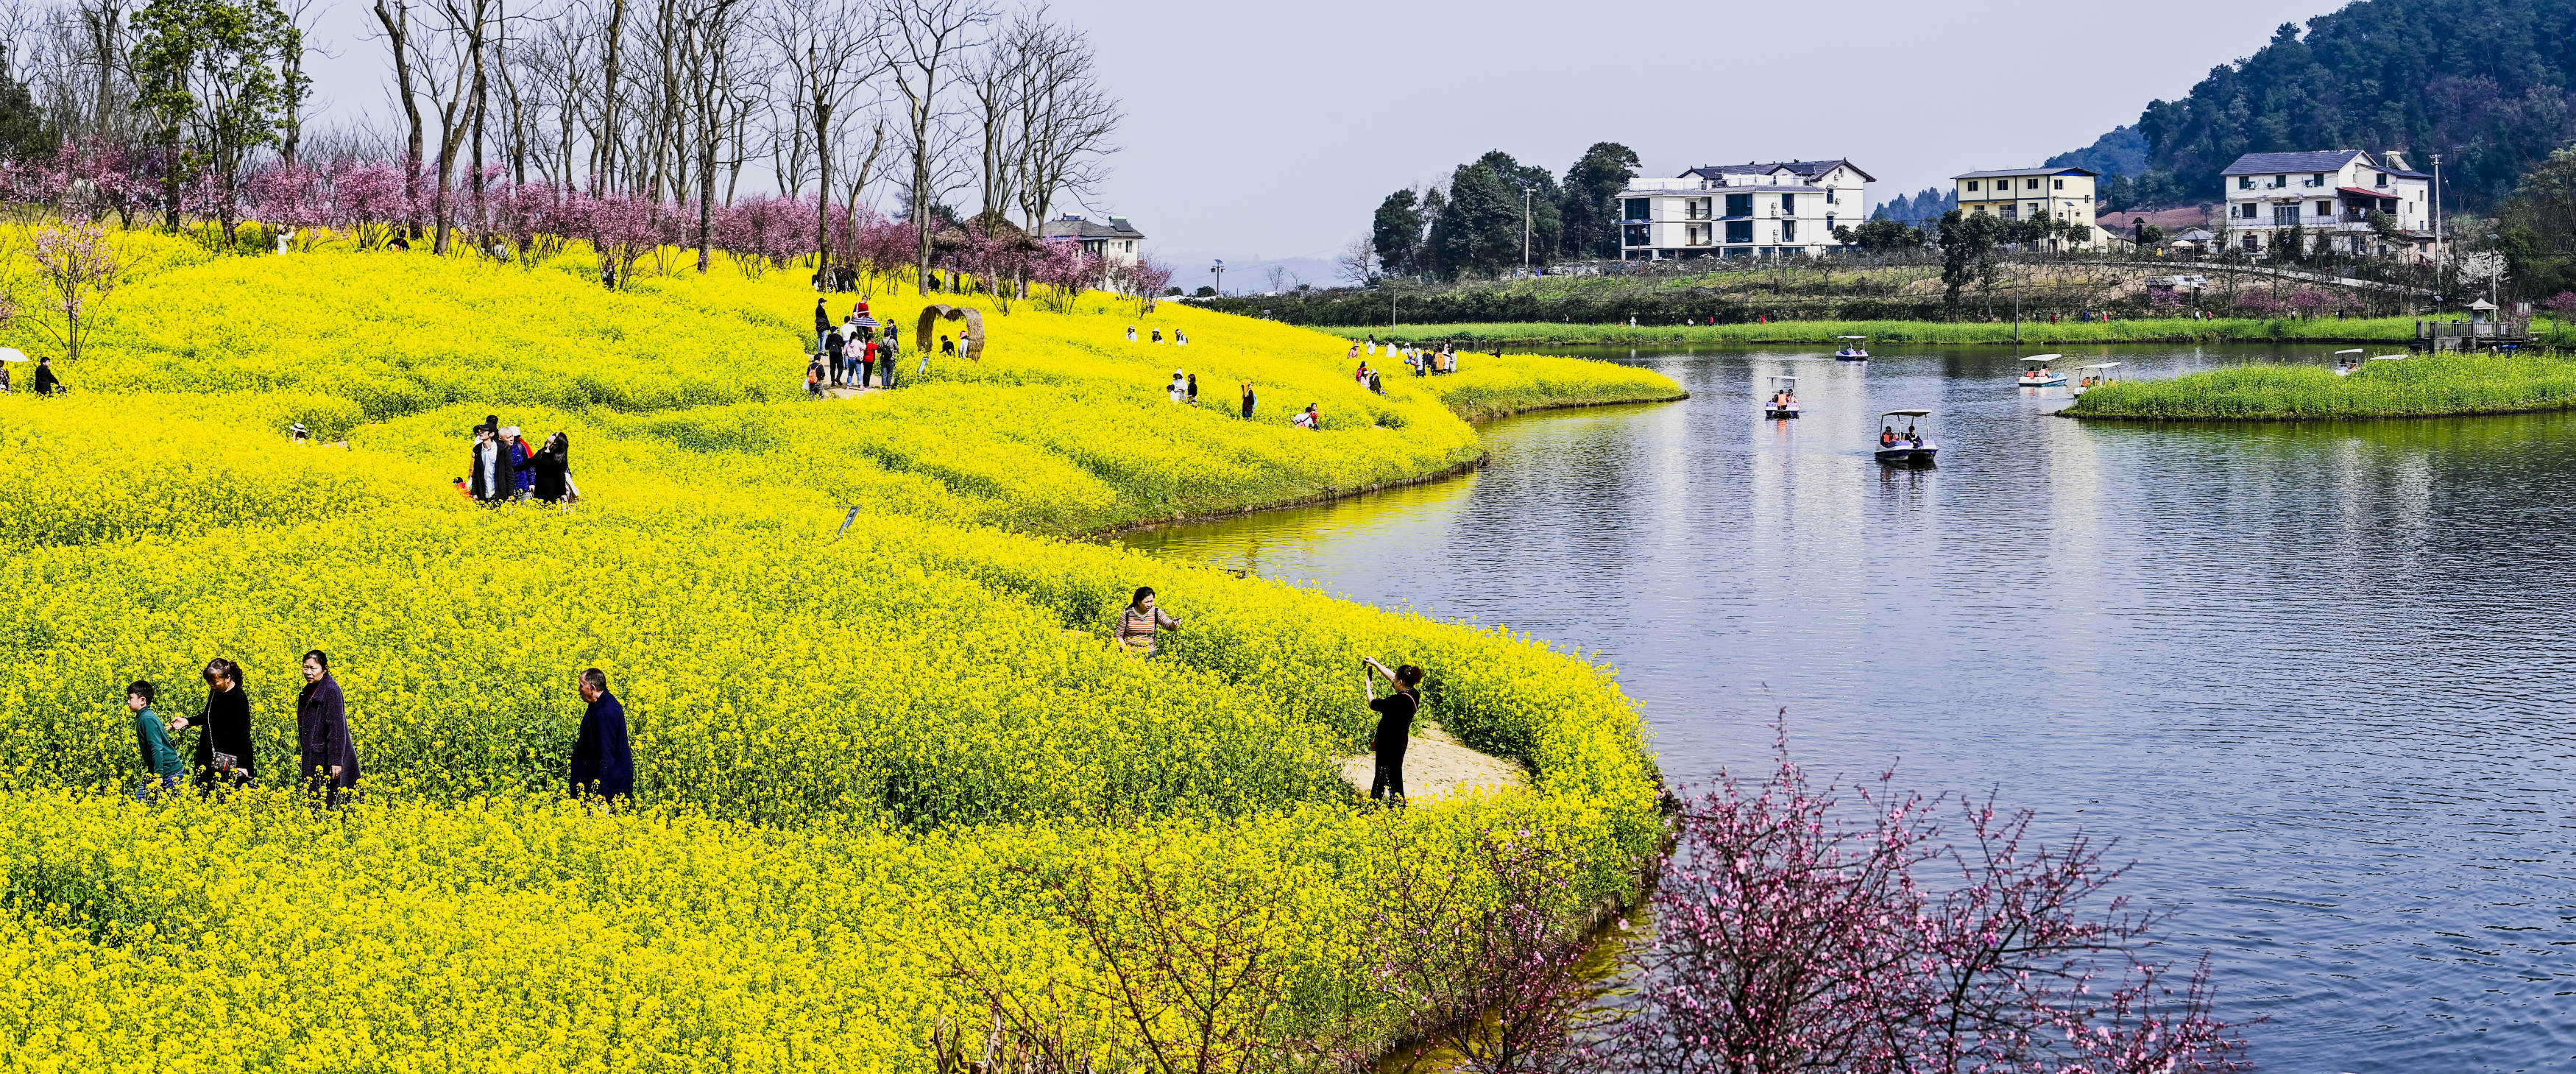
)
(1796, 932)
(1065, 269)
(77, 270)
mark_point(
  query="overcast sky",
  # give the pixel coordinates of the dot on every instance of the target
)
(1272, 130)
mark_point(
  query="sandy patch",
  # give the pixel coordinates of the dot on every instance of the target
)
(1437, 765)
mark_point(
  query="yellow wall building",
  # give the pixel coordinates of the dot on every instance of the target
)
(2033, 193)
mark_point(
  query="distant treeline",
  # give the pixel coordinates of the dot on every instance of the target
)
(1650, 306)
(1919, 208)
(1473, 223)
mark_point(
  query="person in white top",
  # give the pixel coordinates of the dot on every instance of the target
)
(1180, 387)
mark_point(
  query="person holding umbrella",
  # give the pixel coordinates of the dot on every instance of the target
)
(7, 356)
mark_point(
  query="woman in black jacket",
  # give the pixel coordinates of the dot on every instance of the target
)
(328, 760)
(552, 464)
(224, 750)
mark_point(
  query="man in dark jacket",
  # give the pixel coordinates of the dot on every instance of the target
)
(46, 382)
(601, 763)
(326, 757)
(492, 475)
(523, 476)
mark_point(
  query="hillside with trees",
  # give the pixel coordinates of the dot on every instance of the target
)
(2489, 84)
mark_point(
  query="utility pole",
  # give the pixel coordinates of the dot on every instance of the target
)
(1220, 277)
(2437, 217)
(2016, 309)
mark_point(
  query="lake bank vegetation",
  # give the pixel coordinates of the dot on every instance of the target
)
(2393, 331)
(2435, 386)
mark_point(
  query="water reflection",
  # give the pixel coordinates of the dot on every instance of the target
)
(2311, 674)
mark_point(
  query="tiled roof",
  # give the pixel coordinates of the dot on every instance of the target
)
(2290, 163)
(1075, 227)
(1800, 167)
(2018, 172)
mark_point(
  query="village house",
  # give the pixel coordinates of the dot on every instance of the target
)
(2034, 194)
(1780, 209)
(2327, 199)
(1116, 242)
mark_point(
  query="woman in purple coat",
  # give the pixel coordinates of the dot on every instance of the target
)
(327, 759)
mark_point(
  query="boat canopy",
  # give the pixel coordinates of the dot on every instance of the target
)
(1792, 380)
(2041, 359)
(1851, 337)
(2099, 365)
(1905, 414)
(2390, 358)
(2355, 350)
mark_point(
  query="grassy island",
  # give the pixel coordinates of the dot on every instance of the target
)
(885, 758)
(1887, 333)
(2410, 388)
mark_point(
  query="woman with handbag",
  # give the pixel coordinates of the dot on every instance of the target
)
(224, 757)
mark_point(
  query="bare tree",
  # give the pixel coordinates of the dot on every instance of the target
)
(1065, 120)
(711, 60)
(394, 16)
(300, 14)
(828, 50)
(449, 57)
(923, 46)
(1354, 261)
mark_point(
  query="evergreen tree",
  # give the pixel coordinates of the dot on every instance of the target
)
(1397, 233)
(1592, 187)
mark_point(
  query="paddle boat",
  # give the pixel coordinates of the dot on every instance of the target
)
(2388, 358)
(1783, 400)
(1852, 350)
(2094, 376)
(1907, 446)
(2345, 365)
(2036, 371)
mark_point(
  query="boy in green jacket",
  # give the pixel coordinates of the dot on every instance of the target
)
(161, 767)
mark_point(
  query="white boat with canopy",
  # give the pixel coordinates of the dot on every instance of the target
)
(1853, 351)
(2346, 361)
(2096, 375)
(2039, 371)
(1783, 400)
(1909, 446)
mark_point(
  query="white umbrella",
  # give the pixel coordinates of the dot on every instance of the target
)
(865, 321)
(8, 354)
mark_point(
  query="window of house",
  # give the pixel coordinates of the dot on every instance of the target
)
(1639, 235)
(1829, 196)
(1972, 184)
(2253, 241)
(2285, 215)
(2030, 184)
(2061, 184)
(1638, 209)
(2381, 179)
(2320, 180)
(2325, 208)
(2245, 182)
(2279, 181)
(1788, 229)
(1739, 231)
(1981, 210)
(2010, 212)
(1829, 223)
(1788, 205)
(1739, 205)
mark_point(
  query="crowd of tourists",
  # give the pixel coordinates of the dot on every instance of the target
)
(1179, 338)
(1435, 361)
(854, 350)
(225, 755)
(502, 468)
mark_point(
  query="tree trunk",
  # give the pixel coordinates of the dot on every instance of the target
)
(603, 156)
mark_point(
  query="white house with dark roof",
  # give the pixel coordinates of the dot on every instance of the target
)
(2033, 194)
(2328, 198)
(1776, 209)
(1117, 242)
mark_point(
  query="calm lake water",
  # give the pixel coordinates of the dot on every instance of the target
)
(2314, 677)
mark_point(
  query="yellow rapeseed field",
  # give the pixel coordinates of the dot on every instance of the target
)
(857, 750)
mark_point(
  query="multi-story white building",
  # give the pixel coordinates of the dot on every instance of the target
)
(2033, 194)
(2328, 198)
(1779, 209)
